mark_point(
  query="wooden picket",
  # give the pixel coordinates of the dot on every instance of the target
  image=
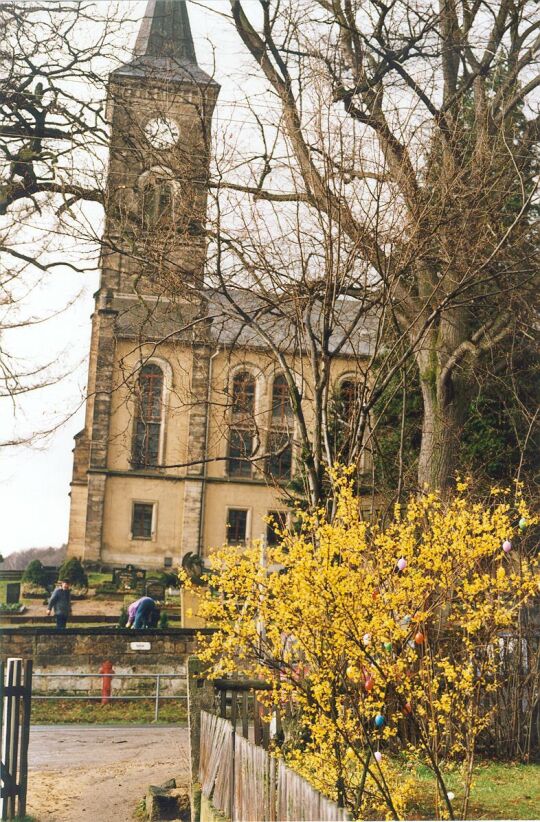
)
(15, 702)
(215, 764)
(299, 801)
(244, 781)
(254, 783)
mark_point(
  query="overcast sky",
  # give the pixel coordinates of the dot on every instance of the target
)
(34, 480)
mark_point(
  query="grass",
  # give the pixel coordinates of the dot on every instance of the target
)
(499, 791)
(96, 579)
(63, 711)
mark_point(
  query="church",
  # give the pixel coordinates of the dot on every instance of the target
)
(189, 440)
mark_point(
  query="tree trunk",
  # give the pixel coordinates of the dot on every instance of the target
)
(445, 406)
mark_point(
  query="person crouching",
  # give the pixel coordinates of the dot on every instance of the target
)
(147, 614)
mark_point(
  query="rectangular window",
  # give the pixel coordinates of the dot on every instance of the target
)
(279, 521)
(142, 520)
(237, 526)
(240, 450)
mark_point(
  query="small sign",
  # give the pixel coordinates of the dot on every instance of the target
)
(140, 646)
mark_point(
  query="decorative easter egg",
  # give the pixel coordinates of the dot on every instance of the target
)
(406, 620)
(379, 721)
(507, 546)
(522, 524)
(419, 638)
(375, 594)
(387, 646)
(378, 756)
(401, 564)
(366, 639)
(369, 683)
(352, 673)
(451, 795)
(407, 708)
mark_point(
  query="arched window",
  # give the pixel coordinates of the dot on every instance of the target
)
(240, 445)
(147, 434)
(157, 200)
(281, 401)
(348, 400)
(279, 460)
(243, 394)
(279, 441)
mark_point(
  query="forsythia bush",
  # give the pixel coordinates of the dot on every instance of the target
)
(382, 643)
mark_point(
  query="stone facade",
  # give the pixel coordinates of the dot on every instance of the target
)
(152, 308)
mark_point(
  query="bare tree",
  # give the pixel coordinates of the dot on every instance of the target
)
(379, 213)
(53, 136)
(412, 129)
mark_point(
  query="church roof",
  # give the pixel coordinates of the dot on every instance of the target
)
(149, 320)
(164, 46)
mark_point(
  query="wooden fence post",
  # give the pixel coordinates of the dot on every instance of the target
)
(15, 737)
(25, 737)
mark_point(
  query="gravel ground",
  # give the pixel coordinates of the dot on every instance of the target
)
(97, 774)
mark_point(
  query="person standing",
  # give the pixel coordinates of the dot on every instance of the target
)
(60, 604)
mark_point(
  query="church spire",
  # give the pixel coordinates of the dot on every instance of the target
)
(164, 47)
(165, 32)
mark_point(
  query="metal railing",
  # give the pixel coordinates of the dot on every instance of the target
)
(156, 695)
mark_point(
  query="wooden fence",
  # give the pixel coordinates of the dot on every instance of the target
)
(243, 781)
(15, 704)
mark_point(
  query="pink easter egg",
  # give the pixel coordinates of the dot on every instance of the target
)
(507, 546)
(402, 564)
(378, 756)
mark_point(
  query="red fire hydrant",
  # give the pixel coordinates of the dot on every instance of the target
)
(107, 672)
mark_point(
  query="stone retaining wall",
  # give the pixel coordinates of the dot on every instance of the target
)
(83, 650)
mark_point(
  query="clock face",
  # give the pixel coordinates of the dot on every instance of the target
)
(162, 132)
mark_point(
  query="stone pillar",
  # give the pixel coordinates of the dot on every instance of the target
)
(200, 698)
(197, 433)
(192, 516)
(97, 476)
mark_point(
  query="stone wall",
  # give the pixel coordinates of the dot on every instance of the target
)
(83, 651)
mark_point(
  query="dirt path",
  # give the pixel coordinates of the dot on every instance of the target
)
(97, 774)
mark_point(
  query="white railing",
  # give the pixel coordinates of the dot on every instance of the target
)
(156, 694)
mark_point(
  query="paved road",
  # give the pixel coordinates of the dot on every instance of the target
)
(98, 774)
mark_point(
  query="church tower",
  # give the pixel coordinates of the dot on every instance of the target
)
(160, 107)
(160, 110)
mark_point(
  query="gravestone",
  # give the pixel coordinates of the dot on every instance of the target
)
(155, 589)
(129, 578)
(13, 592)
(51, 576)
